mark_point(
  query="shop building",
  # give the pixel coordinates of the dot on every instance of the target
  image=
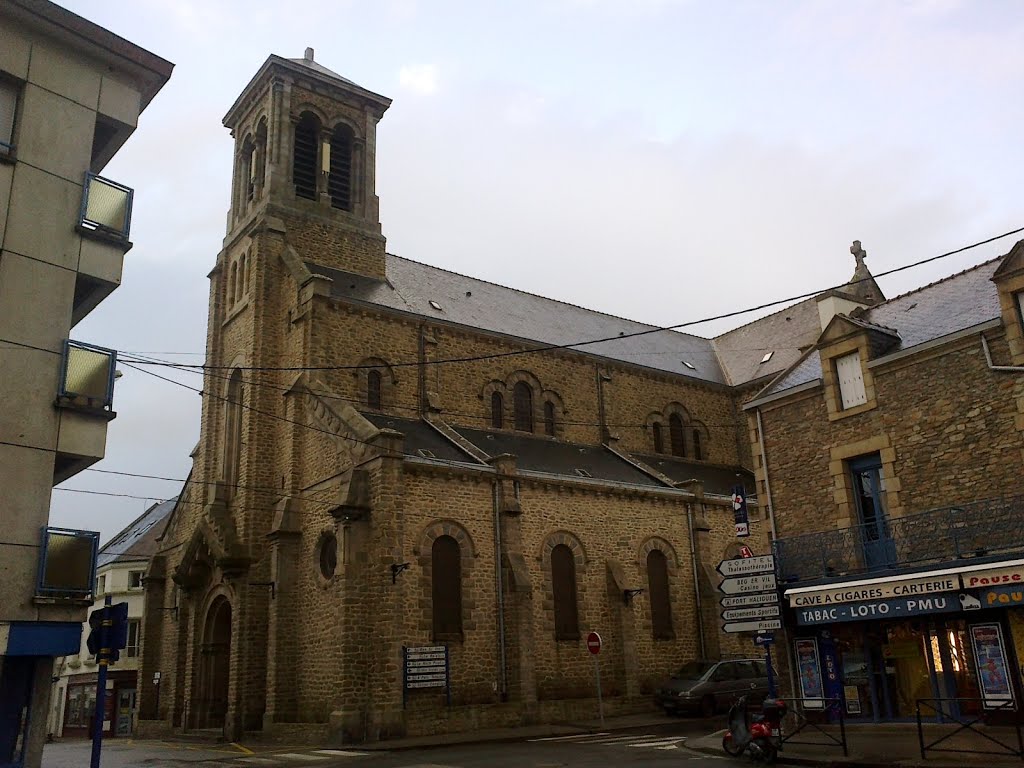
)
(121, 564)
(891, 455)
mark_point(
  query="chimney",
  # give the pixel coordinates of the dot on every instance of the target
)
(308, 55)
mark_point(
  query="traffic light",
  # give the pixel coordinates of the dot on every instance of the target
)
(117, 631)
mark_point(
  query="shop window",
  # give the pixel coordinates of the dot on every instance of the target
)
(851, 380)
(563, 582)
(658, 594)
(446, 588)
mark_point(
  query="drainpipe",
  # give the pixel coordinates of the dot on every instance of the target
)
(770, 506)
(499, 589)
(696, 582)
(998, 368)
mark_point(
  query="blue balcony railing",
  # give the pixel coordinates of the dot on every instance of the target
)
(981, 529)
(106, 208)
(87, 379)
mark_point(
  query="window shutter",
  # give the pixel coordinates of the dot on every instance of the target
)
(304, 170)
(8, 103)
(339, 184)
(851, 380)
(446, 588)
(563, 584)
(657, 591)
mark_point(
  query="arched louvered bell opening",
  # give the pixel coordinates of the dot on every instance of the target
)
(340, 182)
(304, 168)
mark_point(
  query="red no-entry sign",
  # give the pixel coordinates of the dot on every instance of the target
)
(594, 643)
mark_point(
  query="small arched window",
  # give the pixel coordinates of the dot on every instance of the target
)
(260, 174)
(657, 591)
(304, 156)
(243, 275)
(563, 587)
(232, 431)
(522, 407)
(233, 283)
(549, 419)
(675, 435)
(446, 588)
(339, 183)
(697, 452)
(373, 390)
(497, 410)
(659, 441)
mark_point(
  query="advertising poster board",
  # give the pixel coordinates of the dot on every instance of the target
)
(993, 671)
(808, 666)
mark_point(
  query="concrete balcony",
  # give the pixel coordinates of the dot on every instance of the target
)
(85, 402)
(104, 224)
(981, 531)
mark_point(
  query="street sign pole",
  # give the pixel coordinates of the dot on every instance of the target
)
(101, 684)
(771, 673)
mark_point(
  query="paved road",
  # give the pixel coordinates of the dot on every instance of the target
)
(659, 746)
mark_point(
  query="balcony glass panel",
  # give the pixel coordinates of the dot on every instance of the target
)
(88, 375)
(67, 565)
(106, 207)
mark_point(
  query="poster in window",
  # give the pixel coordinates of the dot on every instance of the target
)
(852, 695)
(809, 667)
(993, 671)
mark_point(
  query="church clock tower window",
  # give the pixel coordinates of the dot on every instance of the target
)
(304, 167)
(339, 183)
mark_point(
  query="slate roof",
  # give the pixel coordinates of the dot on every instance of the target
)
(139, 540)
(717, 480)
(474, 303)
(941, 308)
(420, 435)
(783, 333)
(320, 69)
(539, 454)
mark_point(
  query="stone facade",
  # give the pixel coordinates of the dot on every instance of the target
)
(298, 562)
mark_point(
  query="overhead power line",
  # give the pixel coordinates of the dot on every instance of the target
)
(584, 343)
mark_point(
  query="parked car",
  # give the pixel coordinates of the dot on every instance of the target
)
(707, 687)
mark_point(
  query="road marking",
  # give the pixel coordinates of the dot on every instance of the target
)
(571, 738)
(339, 753)
(240, 748)
(258, 760)
(629, 737)
(661, 743)
(297, 756)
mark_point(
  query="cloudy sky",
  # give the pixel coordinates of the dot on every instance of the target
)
(663, 160)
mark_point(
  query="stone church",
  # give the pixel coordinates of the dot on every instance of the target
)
(396, 456)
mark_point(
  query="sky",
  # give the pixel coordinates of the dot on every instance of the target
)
(661, 160)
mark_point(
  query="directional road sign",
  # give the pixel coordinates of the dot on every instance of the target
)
(746, 566)
(745, 601)
(757, 612)
(740, 585)
(752, 626)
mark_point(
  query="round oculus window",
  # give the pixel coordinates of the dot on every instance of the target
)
(328, 555)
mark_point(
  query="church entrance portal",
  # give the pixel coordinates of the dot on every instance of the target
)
(215, 665)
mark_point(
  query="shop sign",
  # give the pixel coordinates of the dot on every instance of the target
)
(1002, 596)
(895, 608)
(994, 577)
(990, 658)
(879, 591)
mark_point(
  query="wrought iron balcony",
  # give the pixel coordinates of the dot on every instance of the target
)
(106, 209)
(987, 528)
(87, 380)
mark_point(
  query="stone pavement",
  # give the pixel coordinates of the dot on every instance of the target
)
(874, 746)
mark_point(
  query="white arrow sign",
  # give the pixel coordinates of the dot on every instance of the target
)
(744, 601)
(743, 584)
(753, 626)
(745, 566)
(759, 612)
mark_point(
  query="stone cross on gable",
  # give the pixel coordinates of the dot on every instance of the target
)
(858, 253)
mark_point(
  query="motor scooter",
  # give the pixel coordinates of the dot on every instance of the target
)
(762, 736)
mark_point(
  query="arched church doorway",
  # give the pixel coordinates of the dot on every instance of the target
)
(215, 665)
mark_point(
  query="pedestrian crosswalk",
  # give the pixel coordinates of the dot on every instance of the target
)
(630, 740)
(310, 757)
